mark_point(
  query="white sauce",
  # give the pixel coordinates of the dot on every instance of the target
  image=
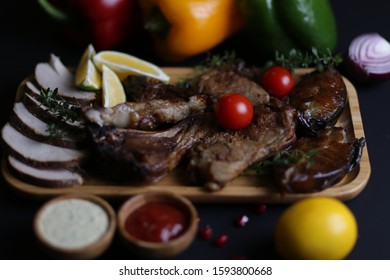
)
(73, 223)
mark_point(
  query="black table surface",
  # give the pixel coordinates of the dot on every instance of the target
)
(28, 37)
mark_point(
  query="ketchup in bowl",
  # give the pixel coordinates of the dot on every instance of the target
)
(156, 222)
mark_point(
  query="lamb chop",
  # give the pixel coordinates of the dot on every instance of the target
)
(145, 156)
(147, 115)
(223, 158)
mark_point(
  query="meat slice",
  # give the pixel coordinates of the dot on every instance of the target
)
(38, 154)
(42, 112)
(52, 178)
(55, 75)
(320, 98)
(319, 162)
(223, 80)
(146, 115)
(34, 128)
(216, 163)
(144, 156)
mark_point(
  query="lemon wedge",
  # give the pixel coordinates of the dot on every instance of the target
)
(87, 76)
(112, 88)
(125, 64)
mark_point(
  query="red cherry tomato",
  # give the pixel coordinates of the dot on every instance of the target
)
(234, 111)
(277, 81)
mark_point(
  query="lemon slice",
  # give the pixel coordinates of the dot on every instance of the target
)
(112, 88)
(124, 65)
(87, 76)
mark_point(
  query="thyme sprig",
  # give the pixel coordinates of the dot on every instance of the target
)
(314, 58)
(289, 157)
(60, 109)
(216, 60)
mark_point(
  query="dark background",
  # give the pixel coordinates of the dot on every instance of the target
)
(28, 37)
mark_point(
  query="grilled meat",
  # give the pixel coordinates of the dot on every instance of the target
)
(141, 89)
(223, 80)
(146, 115)
(332, 159)
(145, 156)
(320, 98)
(227, 154)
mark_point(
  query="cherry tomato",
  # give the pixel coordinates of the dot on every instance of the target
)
(277, 81)
(234, 111)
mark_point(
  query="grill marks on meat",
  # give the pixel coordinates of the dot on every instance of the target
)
(220, 81)
(334, 158)
(216, 163)
(320, 98)
(145, 156)
(146, 115)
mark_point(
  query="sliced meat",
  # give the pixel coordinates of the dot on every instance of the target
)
(144, 156)
(52, 178)
(321, 162)
(216, 163)
(38, 154)
(55, 75)
(320, 98)
(146, 115)
(34, 128)
(220, 81)
(42, 112)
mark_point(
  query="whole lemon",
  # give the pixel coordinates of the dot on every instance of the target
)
(316, 228)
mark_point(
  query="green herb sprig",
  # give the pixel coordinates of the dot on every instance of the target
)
(314, 58)
(289, 157)
(60, 109)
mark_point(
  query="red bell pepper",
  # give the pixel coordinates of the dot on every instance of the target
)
(104, 23)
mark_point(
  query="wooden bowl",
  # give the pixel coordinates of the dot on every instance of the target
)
(158, 250)
(90, 250)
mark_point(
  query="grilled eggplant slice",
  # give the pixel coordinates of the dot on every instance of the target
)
(319, 162)
(320, 98)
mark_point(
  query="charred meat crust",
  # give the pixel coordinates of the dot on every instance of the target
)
(141, 89)
(144, 156)
(320, 98)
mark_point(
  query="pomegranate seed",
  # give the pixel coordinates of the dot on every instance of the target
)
(261, 208)
(242, 220)
(206, 233)
(221, 240)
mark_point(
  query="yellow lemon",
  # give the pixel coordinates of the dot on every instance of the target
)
(124, 65)
(316, 228)
(112, 88)
(87, 76)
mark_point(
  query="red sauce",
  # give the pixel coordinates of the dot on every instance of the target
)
(156, 222)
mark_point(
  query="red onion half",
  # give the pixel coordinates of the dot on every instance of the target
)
(369, 58)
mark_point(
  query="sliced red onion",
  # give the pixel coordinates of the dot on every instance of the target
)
(369, 57)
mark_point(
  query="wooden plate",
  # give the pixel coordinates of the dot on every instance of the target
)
(249, 187)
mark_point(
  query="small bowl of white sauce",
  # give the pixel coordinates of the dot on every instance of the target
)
(75, 226)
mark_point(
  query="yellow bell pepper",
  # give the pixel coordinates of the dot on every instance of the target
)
(184, 28)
